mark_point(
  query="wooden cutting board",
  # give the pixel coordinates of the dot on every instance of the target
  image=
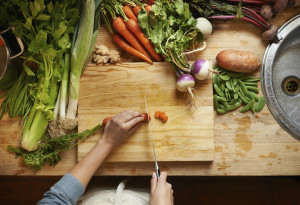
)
(107, 90)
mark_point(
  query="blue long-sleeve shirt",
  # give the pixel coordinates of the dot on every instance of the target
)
(67, 190)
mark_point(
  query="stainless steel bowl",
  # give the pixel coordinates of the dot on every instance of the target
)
(280, 77)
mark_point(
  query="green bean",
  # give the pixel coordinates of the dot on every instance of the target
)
(216, 103)
(243, 98)
(253, 94)
(236, 89)
(232, 101)
(221, 111)
(235, 96)
(222, 106)
(234, 81)
(215, 80)
(252, 80)
(223, 86)
(246, 77)
(221, 99)
(217, 89)
(229, 85)
(235, 74)
(244, 88)
(254, 89)
(261, 104)
(248, 106)
(250, 83)
(232, 107)
(225, 77)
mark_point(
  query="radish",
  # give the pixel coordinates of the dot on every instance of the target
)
(201, 69)
(204, 26)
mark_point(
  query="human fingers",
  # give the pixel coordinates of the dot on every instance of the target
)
(134, 128)
(127, 115)
(131, 123)
(153, 182)
(162, 178)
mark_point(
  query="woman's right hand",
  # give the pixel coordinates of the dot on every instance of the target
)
(161, 191)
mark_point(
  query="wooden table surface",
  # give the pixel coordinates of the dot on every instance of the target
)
(245, 144)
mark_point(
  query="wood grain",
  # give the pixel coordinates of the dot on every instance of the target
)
(108, 90)
(245, 144)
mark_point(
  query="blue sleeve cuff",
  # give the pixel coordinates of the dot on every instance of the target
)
(67, 190)
(70, 187)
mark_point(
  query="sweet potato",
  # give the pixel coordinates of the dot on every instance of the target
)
(238, 61)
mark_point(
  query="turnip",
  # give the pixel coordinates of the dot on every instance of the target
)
(201, 69)
(185, 83)
(204, 26)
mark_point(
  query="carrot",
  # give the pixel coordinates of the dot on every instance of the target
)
(151, 1)
(157, 114)
(120, 26)
(148, 8)
(129, 13)
(136, 10)
(105, 121)
(121, 42)
(146, 115)
(161, 115)
(135, 28)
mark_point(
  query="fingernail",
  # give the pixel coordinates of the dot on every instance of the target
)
(153, 175)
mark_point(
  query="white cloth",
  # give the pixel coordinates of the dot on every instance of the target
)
(119, 196)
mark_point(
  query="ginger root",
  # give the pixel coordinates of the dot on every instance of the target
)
(103, 55)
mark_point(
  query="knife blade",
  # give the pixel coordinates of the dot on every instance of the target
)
(156, 165)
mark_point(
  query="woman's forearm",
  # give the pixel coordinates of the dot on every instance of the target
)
(87, 167)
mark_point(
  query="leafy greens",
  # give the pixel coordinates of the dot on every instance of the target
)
(172, 29)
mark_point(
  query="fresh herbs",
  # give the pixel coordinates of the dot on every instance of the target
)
(172, 29)
(49, 149)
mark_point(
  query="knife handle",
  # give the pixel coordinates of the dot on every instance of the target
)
(158, 173)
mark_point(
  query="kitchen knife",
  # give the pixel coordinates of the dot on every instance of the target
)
(156, 165)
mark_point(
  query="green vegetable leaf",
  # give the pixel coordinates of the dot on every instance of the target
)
(36, 7)
(39, 43)
(62, 28)
(43, 17)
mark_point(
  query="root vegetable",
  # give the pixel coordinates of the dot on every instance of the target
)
(120, 26)
(280, 5)
(114, 56)
(238, 61)
(102, 50)
(201, 69)
(129, 13)
(270, 34)
(266, 12)
(135, 28)
(136, 10)
(165, 118)
(204, 26)
(121, 42)
(186, 83)
(148, 8)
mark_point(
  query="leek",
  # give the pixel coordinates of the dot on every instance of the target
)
(80, 53)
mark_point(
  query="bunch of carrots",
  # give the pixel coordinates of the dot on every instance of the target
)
(129, 36)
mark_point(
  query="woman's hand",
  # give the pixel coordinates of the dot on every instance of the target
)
(120, 127)
(161, 191)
